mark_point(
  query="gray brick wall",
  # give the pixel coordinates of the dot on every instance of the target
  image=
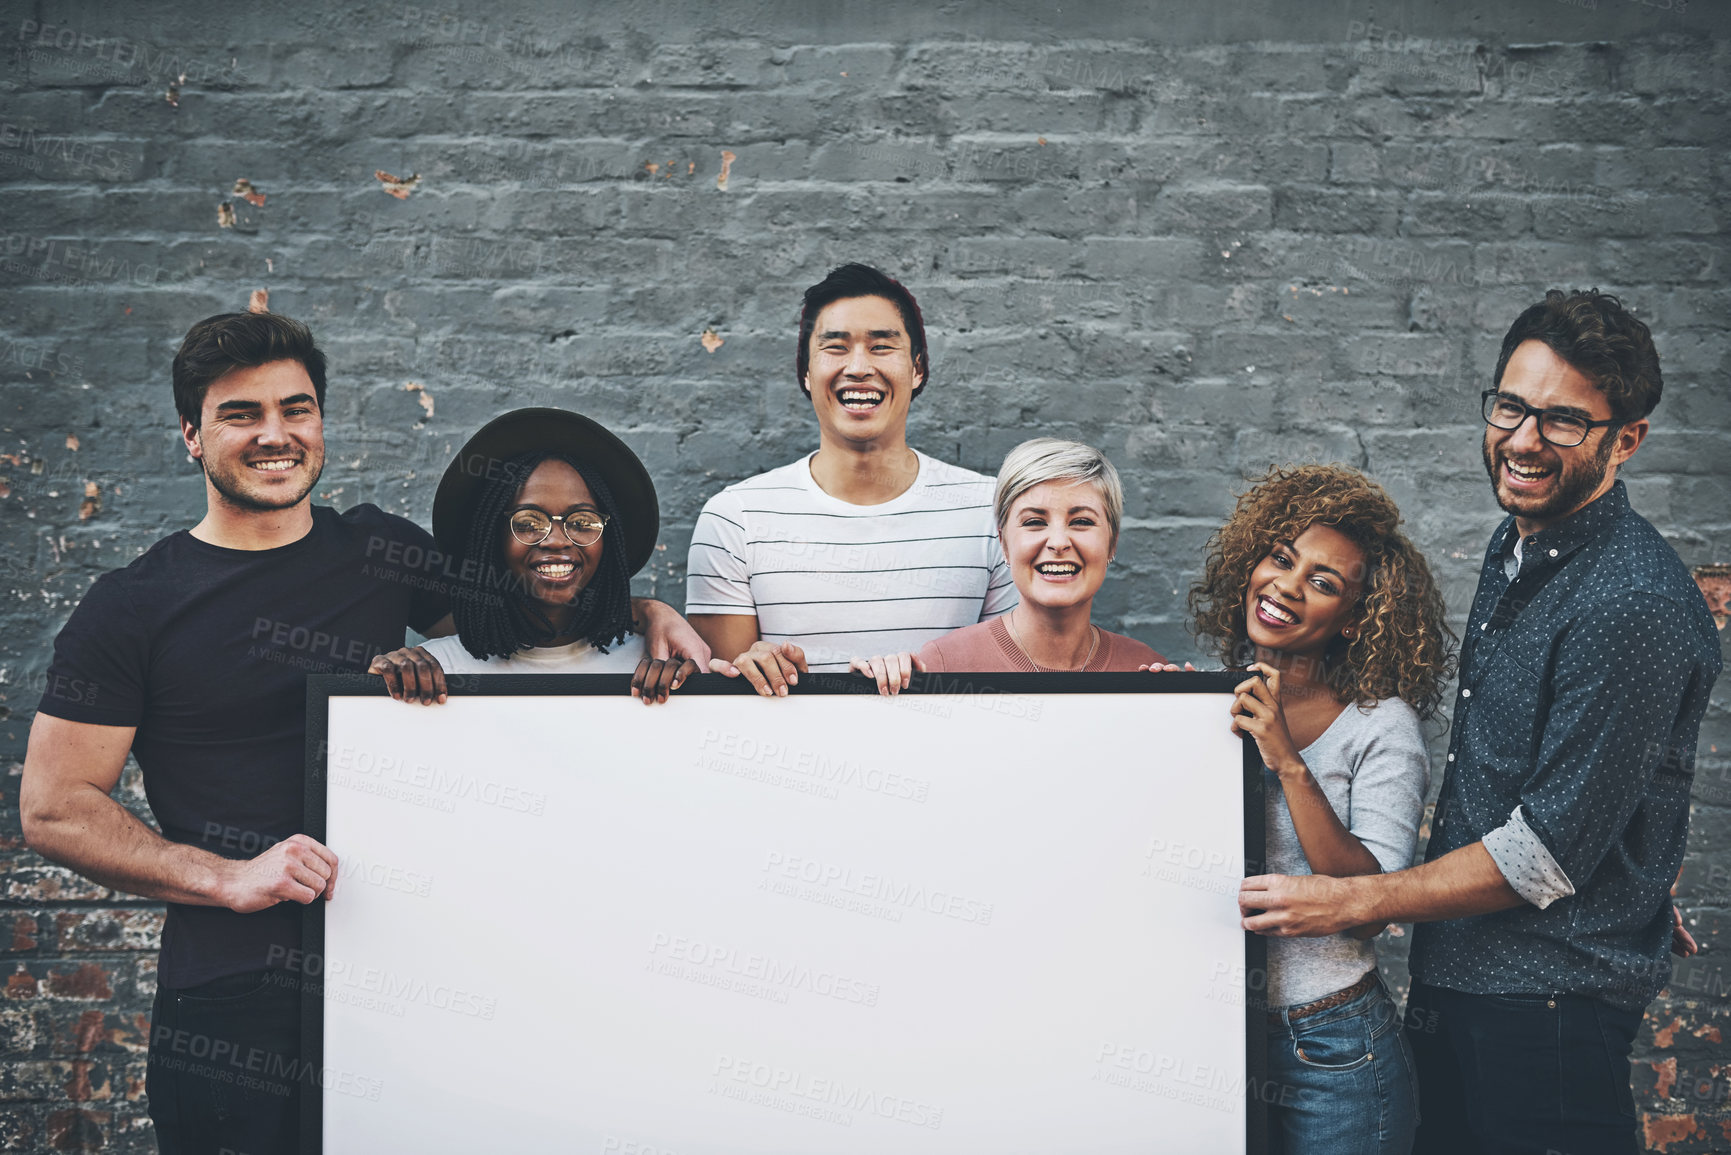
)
(1207, 238)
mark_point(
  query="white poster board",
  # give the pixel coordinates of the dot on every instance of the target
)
(954, 922)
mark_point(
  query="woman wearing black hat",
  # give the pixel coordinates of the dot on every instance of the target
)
(545, 516)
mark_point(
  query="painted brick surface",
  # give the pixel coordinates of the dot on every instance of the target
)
(1207, 239)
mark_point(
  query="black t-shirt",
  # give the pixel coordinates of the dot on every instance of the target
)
(206, 651)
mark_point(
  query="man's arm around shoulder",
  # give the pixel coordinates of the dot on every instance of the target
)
(1460, 884)
(71, 769)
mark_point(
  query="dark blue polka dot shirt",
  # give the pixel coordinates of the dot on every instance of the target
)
(1583, 684)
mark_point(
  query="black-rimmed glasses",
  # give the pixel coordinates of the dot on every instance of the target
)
(532, 526)
(1557, 426)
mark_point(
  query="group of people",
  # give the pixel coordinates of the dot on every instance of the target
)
(1544, 896)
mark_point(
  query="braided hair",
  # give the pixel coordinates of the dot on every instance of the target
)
(494, 614)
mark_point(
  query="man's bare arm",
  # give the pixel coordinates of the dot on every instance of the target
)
(1461, 883)
(728, 635)
(69, 817)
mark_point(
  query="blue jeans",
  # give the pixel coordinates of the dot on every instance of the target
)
(1341, 1080)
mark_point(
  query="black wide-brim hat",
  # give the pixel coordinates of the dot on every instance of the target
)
(486, 456)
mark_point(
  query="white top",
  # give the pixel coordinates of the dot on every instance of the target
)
(845, 581)
(576, 658)
(1373, 768)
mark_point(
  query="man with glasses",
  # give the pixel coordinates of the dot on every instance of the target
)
(1564, 809)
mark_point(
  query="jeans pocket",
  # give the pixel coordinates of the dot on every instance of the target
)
(231, 1050)
(1336, 1045)
(1608, 1035)
(1383, 1017)
(226, 991)
(1528, 1003)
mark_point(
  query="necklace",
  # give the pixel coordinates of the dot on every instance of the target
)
(1010, 621)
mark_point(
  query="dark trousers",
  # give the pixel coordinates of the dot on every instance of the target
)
(1526, 1074)
(225, 1072)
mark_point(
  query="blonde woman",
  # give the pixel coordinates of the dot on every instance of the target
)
(1059, 507)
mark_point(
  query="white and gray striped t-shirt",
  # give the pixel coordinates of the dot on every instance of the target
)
(845, 581)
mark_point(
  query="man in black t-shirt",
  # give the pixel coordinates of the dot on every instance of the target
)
(194, 658)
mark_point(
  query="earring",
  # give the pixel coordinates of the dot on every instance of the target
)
(1347, 633)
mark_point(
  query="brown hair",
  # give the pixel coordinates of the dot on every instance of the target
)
(228, 341)
(1600, 339)
(1403, 646)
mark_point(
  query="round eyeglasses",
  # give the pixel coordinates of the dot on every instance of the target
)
(1557, 426)
(532, 526)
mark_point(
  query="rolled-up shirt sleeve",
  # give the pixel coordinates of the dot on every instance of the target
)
(1526, 864)
(1621, 674)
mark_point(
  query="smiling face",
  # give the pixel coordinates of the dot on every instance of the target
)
(260, 436)
(1058, 543)
(556, 571)
(1304, 593)
(862, 374)
(1538, 482)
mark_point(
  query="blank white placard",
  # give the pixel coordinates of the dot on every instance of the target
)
(960, 924)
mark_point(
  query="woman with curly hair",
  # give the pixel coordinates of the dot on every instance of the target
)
(1312, 588)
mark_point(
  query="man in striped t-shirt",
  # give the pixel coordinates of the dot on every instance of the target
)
(865, 546)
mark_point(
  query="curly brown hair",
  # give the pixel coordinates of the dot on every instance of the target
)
(1403, 648)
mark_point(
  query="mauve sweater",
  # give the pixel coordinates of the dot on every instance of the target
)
(987, 648)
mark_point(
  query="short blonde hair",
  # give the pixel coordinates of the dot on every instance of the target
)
(1048, 459)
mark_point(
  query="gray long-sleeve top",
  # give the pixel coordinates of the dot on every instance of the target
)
(1372, 767)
